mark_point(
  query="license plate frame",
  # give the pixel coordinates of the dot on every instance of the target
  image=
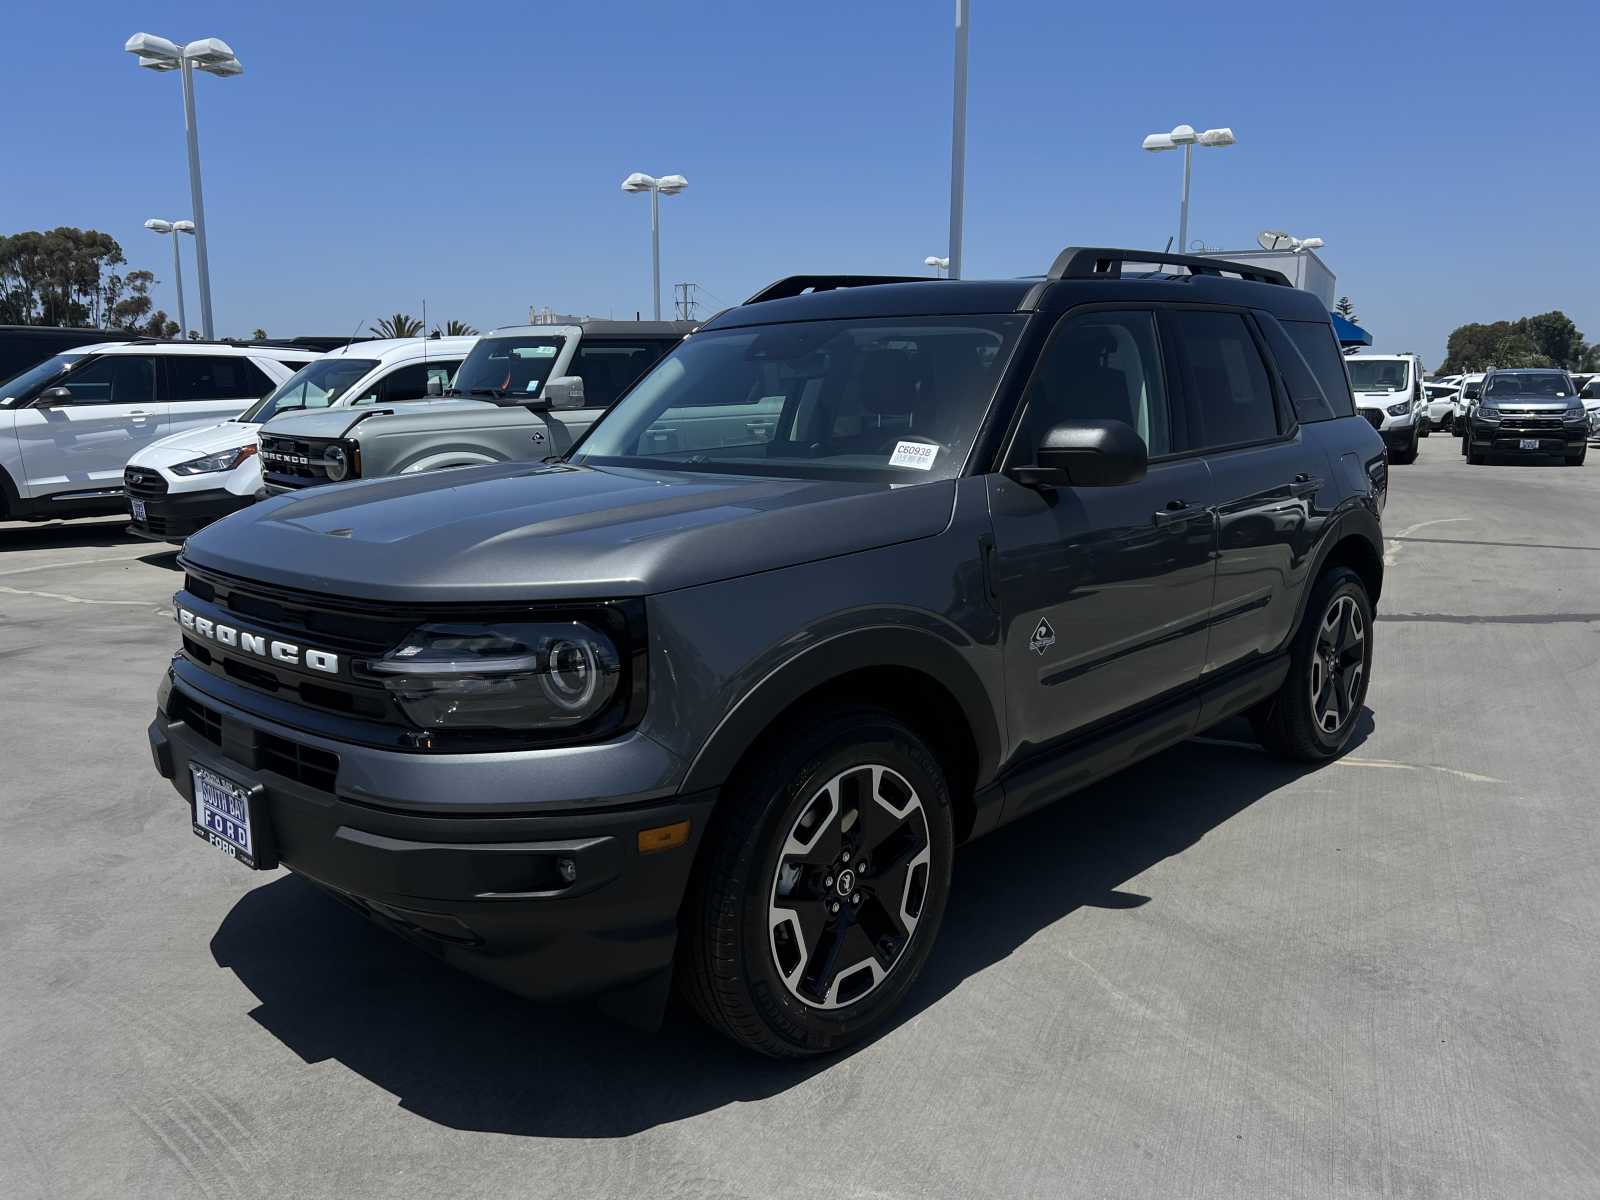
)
(231, 816)
(1528, 444)
(138, 510)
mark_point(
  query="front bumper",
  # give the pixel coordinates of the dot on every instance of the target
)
(175, 515)
(1498, 439)
(487, 893)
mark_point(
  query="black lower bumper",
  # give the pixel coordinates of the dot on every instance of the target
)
(550, 906)
(173, 517)
(1497, 439)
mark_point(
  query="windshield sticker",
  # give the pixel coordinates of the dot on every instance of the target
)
(916, 455)
(533, 385)
(534, 351)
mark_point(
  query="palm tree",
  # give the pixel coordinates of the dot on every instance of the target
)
(398, 326)
(458, 329)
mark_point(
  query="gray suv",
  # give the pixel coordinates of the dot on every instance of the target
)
(1526, 412)
(859, 572)
(523, 394)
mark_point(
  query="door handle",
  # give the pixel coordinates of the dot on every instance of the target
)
(1176, 512)
(1304, 485)
(137, 415)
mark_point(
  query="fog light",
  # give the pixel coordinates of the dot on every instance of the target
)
(567, 869)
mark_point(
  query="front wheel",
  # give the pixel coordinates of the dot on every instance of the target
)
(822, 885)
(1576, 460)
(1409, 454)
(1314, 712)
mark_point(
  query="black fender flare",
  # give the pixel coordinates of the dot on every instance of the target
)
(1355, 521)
(10, 498)
(832, 658)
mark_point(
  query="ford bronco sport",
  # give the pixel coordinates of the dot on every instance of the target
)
(857, 573)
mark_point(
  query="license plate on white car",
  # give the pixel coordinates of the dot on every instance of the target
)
(138, 510)
(1529, 444)
(222, 815)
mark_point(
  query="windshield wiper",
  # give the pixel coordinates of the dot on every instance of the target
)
(497, 393)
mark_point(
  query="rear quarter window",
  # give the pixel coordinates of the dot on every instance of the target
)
(1314, 340)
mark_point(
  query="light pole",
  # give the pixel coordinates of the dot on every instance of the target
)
(156, 225)
(958, 141)
(938, 264)
(669, 185)
(215, 57)
(1185, 136)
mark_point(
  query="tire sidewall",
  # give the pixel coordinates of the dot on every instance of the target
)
(1338, 583)
(789, 787)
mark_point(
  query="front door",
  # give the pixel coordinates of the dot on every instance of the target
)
(80, 446)
(1104, 592)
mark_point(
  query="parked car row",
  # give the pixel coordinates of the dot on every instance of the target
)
(860, 570)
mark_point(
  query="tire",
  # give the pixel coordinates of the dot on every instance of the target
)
(1409, 454)
(1576, 460)
(1476, 457)
(1294, 724)
(766, 915)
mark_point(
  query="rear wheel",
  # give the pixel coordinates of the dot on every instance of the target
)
(821, 887)
(1314, 713)
(1576, 460)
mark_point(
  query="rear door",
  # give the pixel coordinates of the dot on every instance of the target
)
(117, 407)
(1266, 473)
(205, 389)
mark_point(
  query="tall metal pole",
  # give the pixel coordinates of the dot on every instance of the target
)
(203, 268)
(177, 275)
(958, 142)
(1183, 207)
(655, 246)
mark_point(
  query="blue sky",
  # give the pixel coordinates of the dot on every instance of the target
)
(374, 157)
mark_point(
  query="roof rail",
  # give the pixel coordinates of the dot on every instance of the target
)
(1086, 262)
(795, 285)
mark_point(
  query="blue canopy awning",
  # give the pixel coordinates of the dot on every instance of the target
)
(1349, 333)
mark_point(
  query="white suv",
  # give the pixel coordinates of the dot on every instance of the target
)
(69, 425)
(188, 480)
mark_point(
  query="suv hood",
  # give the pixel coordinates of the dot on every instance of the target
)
(515, 532)
(337, 421)
(195, 443)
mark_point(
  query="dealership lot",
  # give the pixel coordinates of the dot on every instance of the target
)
(1211, 976)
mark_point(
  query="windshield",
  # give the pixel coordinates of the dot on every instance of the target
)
(316, 385)
(897, 400)
(1591, 390)
(20, 388)
(1472, 390)
(1379, 374)
(1529, 383)
(515, 367)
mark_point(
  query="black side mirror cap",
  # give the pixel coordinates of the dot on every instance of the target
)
(1086, 454)
(53, 397)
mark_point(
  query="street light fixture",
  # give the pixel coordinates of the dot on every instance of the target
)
(938, 264)
(156, 225)
(667, 185)
(1185, 136)
(215, 57)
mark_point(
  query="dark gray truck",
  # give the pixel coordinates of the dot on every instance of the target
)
(523, 394)
(678, 707)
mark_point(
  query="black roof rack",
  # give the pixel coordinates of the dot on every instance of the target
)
(1088, 262)
(795, 285)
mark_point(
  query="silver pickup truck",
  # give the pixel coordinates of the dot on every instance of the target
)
(523, 393)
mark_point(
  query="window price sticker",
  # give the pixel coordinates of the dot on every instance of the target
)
(916, 455)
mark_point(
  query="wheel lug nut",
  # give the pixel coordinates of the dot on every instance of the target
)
(834, 907)
(828, 882)
(855, 898)
(861, 866)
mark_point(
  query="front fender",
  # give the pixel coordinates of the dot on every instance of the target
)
(439, 459)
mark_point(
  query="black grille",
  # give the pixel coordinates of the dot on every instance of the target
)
(294, 462)
(1514, 422)
(144, 484)
(1374, 417)
(266, 752)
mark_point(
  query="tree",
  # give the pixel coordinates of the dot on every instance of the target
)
(56, 277)
(455, 329)
(259, 335)
(398, 326)
(1555, 336)
(1545, 340)
(1346, 308)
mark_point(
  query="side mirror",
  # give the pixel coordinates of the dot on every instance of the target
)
(53, 397)
(564, 391)
(1086, 454)
(434, 387)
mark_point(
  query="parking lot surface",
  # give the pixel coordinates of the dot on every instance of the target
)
(1211, 976)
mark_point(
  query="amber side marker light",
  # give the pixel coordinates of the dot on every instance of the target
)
(663, 837)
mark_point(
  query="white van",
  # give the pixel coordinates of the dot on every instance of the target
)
(1389, 394)
(181, 483)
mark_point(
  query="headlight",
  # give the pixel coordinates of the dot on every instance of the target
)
(1576, 416)
(511, 676)
(1399, 410)
(1488, 413)
(339, 463)
(226, 460)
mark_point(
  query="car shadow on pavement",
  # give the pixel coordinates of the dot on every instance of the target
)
(54, 535)
(469, 1056)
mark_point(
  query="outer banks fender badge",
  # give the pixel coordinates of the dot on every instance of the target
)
(1043, 637)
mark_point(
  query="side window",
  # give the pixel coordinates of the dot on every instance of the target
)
(410, 382)
(1098, 366)
(609, 368)
(1225, 382)
(1321, 352)
(114, 379)
(197, 377)
(1305, 393)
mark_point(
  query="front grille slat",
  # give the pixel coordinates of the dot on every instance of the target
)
(1373, 416)
(315, 768)
(144, 484)
(294, 462)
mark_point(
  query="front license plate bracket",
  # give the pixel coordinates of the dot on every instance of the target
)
(232, 816)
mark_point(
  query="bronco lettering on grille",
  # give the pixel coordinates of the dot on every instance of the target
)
(272, 649)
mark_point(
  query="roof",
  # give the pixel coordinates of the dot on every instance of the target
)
(590, 327)
(413, 347)
(1349, 333)
(145, 345)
